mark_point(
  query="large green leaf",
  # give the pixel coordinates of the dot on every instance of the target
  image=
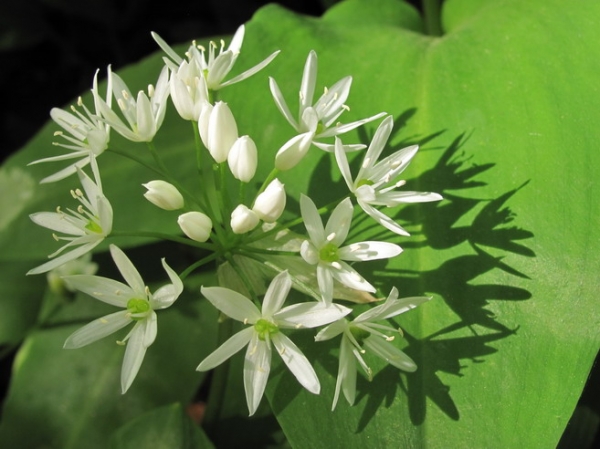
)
(503, 105)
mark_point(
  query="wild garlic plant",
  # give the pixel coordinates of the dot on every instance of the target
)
(258, 256)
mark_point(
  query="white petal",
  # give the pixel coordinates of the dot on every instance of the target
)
(344, 128)
(383, 219)
(128, 271)
(332, 331)
(237, 40)
(329, 106)
(309, 252)
(281, 104)
(389, 353)
(342, 162)
(166, 48)
(103, 289)
(97, 329)
(219, 69)
(376, 147)
(248, 73)
(312, 221)
(292, 152)
(56, 222)
(346, 379)
(391, 199)
(297, 362)
(276, 294)
(71, 255)
(257, 365)
(391, 308)
(339, 222)
(309, 315)
(232, 304)
(150, 329)
(134, 355)
(146, 126)
(325, 281)
(167, 294)
(369, 251)
(309, 79)
(227, 349)
(349, 277)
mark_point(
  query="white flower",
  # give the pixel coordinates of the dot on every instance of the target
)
(217, 66)
(164, 195)
(195, 225)
(265, 329)
(363, 335)
(139, 305)
(243, 219)
(243, 159)
(218, 130)
(372, 184)
(88, 134)
(144, 114)
(84, 228)
(314, 121)
(323, 249)
(188, 90)
(269, 205)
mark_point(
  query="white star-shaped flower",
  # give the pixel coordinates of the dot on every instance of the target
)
(265, 330)
(84, 228)
(315, 121)
(218, 65)
(325, 251)
(364, 335)
(88, 134)
(144, 113)
(139, 306)
(375, 183)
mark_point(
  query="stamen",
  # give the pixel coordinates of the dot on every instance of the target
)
(120, 343)
(366, 162)
(330, 237)
(103, 320)
(201, 48)
(282, 351)
(150, 90)
(57, 133)
(121, 104)
(79, 101)
(245, 321)
(55, 237)
(147, 290)
(325, 90)
(80, 209)
(299, 326)
(400, 183)
(125, 94)
(336, 265)
(395, 164)
(346, 107)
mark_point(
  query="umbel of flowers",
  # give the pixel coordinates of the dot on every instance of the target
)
(259, 252)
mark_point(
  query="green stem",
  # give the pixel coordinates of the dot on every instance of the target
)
(161, 236)
(198, 264)
(136, 159)
(432, 17)
(270, 178)
(219, 380)
(250, 249)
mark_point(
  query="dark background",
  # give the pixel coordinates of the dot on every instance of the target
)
(50, 50)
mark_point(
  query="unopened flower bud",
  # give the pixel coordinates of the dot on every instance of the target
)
(218, 130)
(243, 159)
(243, 219)
(270, 204)
(164, 195)
(195, 225)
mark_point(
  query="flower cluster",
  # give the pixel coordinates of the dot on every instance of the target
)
(260, 249)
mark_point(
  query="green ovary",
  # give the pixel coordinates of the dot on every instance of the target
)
(264, 328)
(329, 253)
(137, 306)
(359, 334)
(364, 182)
(94, 227)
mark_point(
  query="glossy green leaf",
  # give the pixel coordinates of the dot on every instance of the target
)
(163, 428)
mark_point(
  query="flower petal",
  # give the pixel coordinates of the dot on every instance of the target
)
(376, 147)
(103, 289)
(332, 331)
(276, 294)
(281, 104)
(167, 294)
(257, 366)
(71, 255)
(128, 271)
(227, 349)
(310, 314)
(232, 304)
(97, 329)
(312, 221)
(297, 362)
(134, 355)
(350, 277)
(339, 222)
(309, 80)
(325, 281)
(342, 162)
(363, 251)
(391, 308)
(383, 219)
(248, 73)
(346, 380)
(389, 353)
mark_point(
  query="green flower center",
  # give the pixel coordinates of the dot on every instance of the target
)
(359, 334)
(264, 328)
(320, 128)
(137, 306)
(364, 182)
(329, 253)
(94, 227)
